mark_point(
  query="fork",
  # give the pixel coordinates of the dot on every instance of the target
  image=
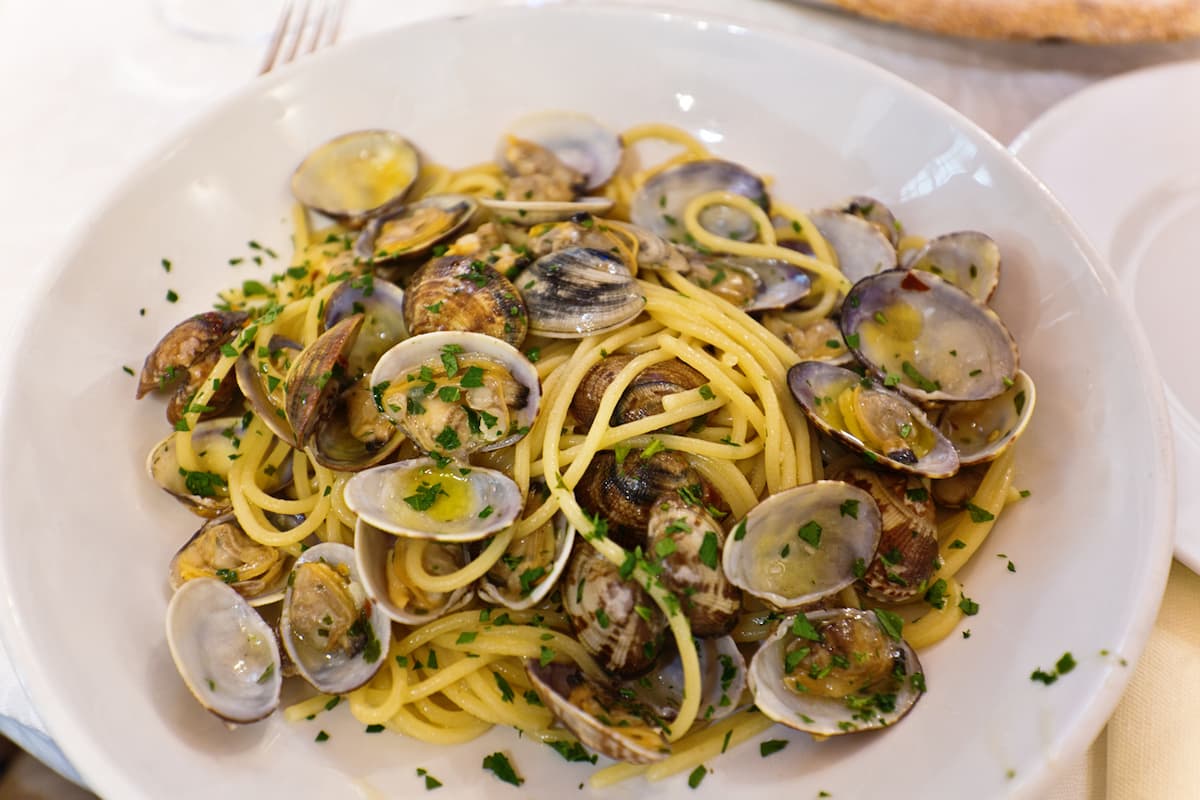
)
(303, 33)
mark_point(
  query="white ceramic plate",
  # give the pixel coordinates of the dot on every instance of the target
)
(86, 537)
(1124, 158)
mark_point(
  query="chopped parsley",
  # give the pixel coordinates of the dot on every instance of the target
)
(706, 392)
(708, 549)
(322, 736)
(980, 514)
(810, 533)
(425, 496)
(500, 766)
(968, 606)
(891, 623)
(697, 776)
(573, 751)
(849, 508)
(771, 746)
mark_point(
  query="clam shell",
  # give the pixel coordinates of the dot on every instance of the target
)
(357, 175)
(688, 543)
(337, 673)
(816, 386)
(261, 590)
(827, 716)
(460, 293)
(577, 292)
(771, 552)
(224, 651)
(968, 259)
(494, 591)
(642, 397)
(722, 681)
(318, 376)
(373, 548)
(659, 205)
(250, 381)
(861, 248)
(410, 231)
(184, 357)
(624, 493)
(604, 611)
(381, 303)
(407, 357)
(575, 139)
(908, 539)
(932, 338)
(981, 430)
(639, 741)
(470, 506)
(876, 213)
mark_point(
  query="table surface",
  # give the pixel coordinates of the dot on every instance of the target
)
(86, 101)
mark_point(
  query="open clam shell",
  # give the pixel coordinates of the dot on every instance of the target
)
(532, 566)
(221, 550)
(419, 498)
(891, 692)
(968, 259)
(598, 714)
(575, 139)
(659, 205)
(333, 658)
(981, 430)
(266, 395)
(803, 544)
(579, 291)
(224, 651)
(381, 303)
(357, 175)
(929, 338)
(883, 425)
(862, 248)
(413, 229)
(722, 681)
(876, 213)
(381, 558)
(438, 380)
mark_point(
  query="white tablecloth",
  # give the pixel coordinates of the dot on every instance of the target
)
(90, 88)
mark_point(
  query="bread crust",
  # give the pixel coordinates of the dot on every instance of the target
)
(1089, 21)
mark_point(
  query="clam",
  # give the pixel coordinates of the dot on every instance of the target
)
(871, 419)
(336, 636)
(624, 492)
(876, 213)
(357, 175)
(579, 231)
(644, 395)
(334, 415)
(222, 550)
(412, 230)
(456, 392)
(424, 499)
(224, 651)
(576, 140)
(659, 205)
(205, 491)
(687, 542)
(908, 541)
(834, 672)
(812, 341)
(930, 339)
(601, 717)
(803, 544)
(257, 376)
(981, 430)
(957, 490)
(968, 259)
(577, 292)
(460, 293)
(381, 303)
(861, 248)
(613, 616)
(751, 284)
(185, 356)
(531, 564)
(381, 563)
(722, 681)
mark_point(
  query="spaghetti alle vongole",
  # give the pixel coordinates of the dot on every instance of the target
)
(599, 470)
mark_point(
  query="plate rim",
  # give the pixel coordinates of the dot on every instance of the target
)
(1044, 128)
(79, 746)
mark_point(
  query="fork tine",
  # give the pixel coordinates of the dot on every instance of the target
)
(318, 28)
(300, 26)
(277, 36)
(335, 29)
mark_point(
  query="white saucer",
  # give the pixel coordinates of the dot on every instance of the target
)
(1124, 158)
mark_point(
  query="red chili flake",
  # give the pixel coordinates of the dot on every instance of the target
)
(912, 283)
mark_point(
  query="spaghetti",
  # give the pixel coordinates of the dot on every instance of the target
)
(452, 678)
